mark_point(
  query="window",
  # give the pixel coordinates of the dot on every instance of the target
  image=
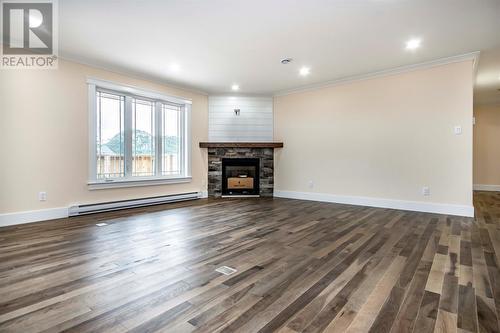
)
(109, 136)
(171, 123)
(137, 137)
(143, 138)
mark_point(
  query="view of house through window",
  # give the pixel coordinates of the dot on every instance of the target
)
(143, 140)
(171, 125)
(149, 144)
(110, 141)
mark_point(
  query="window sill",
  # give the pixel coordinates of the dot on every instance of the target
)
(136, 182)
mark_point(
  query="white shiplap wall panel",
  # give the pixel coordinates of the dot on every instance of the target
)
(255, 122)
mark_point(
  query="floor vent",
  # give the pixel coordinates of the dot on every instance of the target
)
(124, 204)
(226, 270)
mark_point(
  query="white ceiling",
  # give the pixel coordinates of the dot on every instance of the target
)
(220, 42)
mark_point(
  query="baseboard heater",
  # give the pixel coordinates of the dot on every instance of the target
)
(77, 210)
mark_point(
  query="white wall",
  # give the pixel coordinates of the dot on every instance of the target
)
(255, 122)
(44, 139)
(379, 141)
(486, 149)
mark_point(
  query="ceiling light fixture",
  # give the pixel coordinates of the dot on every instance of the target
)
(174, 67)
(304, 71)
(286, 61)
(235, 87)
(413, 44)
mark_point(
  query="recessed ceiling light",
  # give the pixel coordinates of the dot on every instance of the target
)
(286, 61)
(304, 71)
(235, 87)
(174, 67)
(413, 44)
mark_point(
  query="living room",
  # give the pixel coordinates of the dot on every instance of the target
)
(231, 166)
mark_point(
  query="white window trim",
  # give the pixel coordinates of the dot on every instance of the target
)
(93, 183)
(149, 181)
(128, 89)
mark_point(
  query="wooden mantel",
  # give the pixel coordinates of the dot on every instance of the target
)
(241, 144)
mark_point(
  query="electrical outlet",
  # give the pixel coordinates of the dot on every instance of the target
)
(457, 130)
(42, 196)
(310, 184)
(426, 191)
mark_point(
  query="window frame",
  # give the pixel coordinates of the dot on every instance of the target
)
(131, 92)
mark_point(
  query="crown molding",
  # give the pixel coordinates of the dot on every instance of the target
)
(474, 56)
(475, 67)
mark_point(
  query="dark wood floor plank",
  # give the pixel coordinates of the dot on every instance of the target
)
(388, 314)
(467, 313)
(427, 314)
(408, 311)
(302, 266)
(486, 314)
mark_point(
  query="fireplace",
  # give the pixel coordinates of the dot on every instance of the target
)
(258, 156)
(240, 176)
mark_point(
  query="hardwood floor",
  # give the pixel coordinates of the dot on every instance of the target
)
(302, 267)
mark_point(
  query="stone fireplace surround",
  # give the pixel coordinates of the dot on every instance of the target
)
(264, 151)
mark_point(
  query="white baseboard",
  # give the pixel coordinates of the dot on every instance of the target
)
(483, 187)
(33, 216)
(417, 206)
(429, 207)
(48, 214)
